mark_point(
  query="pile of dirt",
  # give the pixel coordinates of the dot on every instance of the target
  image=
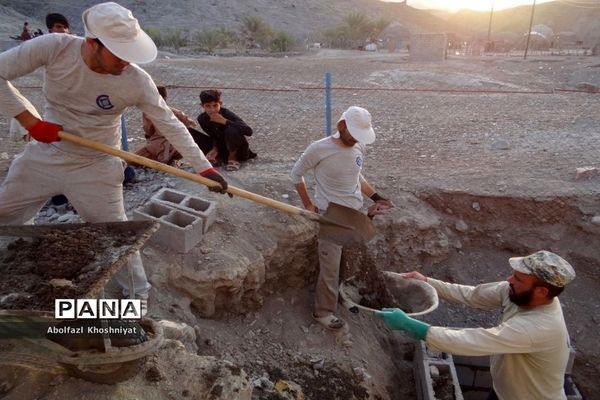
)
(58, 263)
(370, 287)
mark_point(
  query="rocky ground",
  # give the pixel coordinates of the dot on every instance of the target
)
(479, 156)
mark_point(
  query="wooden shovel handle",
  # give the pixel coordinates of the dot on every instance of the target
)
(134, 158)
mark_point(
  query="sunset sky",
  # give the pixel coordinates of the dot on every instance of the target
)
(479, 5)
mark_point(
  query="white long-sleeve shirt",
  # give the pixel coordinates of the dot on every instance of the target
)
(336, 172)
(529, 349)
(86, 103)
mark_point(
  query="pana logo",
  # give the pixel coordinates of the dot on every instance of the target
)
(97, 309)
(104, 102)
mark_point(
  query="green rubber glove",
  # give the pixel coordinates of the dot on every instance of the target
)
(396, 319)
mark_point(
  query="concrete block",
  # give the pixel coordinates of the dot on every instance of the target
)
(571, 390)
(207, 210)
(434, 375)
(178, 230)
(571, 361)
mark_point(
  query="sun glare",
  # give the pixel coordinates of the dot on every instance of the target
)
(476, 5)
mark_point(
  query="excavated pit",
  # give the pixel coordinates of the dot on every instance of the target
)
(457, 237)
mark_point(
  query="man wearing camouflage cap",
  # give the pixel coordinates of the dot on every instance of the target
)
(529, 348)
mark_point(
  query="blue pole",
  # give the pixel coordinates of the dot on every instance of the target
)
(328, 103)
(124, 144)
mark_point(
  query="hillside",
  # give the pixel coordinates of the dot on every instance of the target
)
(11, 21)
(561, 17)
(302, 18)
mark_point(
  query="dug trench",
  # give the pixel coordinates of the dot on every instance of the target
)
(248, 287)
(243, 297)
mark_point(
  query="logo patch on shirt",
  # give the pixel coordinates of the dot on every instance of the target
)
(359, 161)
(104, 102)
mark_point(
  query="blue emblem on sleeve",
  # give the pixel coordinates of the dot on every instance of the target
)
(359, 161)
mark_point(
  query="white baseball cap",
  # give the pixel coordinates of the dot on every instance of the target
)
(358, 122)
(119, 32)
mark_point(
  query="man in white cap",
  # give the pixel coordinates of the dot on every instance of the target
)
(529, 349)
(337, 162)
(89, 82)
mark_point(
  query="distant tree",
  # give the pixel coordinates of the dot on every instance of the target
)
(358, 26)
(228, 37)
(378, 26)
(355, 31)
(338, 36)
(282, 42)
(155, 35)
(175, 39)
(254, 30)
(210, 39)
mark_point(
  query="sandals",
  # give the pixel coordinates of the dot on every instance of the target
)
(233, 165)
(330, 322)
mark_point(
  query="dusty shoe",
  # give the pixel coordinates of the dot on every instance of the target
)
(233, 165)
(330, 322)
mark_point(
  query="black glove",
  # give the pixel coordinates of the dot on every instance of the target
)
(213, 175)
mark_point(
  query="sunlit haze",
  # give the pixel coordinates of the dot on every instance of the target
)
(478, 5)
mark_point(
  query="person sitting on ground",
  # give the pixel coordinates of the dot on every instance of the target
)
(25, 35)
(227, 133)
(57, 23)
(157, 146)
(529, 348)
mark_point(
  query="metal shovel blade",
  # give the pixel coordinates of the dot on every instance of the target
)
(359, 229)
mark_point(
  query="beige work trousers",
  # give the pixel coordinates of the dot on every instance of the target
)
(93, 185)
(326, 294)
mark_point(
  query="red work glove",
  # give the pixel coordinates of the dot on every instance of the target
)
(45, 132)
(213, 175)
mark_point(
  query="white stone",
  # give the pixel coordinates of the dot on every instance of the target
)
(476, 206)
(596, 219)
(263, 383)
(461, 226)
(178, 331)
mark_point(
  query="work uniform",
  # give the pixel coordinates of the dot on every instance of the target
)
(87, 104)
(529, 349)
(337, 173)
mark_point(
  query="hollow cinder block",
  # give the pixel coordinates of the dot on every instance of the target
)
(424, 360)
(205, 209)
(571, 390)
(179, 231)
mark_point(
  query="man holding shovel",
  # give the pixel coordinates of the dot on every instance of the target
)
(337, 162)
(89, 82)
(529, 348)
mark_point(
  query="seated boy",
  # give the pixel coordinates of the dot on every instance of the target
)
(226, 142)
